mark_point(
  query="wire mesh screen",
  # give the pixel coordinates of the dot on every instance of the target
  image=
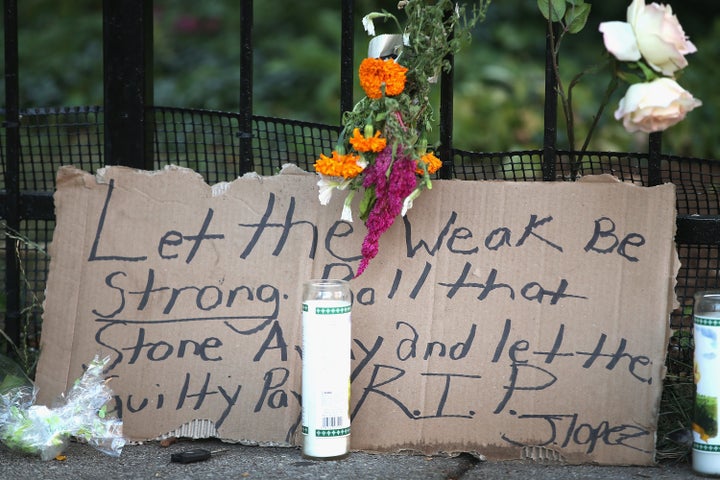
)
(52, 137)
(697, 183)
(627, 167)
(277, 142)
(528, 165)
(516, 166)
(209, 143)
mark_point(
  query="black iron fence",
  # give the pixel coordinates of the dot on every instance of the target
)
(130, 130)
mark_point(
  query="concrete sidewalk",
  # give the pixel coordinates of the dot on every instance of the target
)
(152, 461)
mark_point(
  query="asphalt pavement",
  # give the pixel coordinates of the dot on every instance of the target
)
(152, 460)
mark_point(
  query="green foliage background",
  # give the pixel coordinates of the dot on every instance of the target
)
(499, 78)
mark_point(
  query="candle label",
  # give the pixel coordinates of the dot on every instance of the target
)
(326, 369)
(706, 370)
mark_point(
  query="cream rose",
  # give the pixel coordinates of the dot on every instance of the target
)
(651, 31)
(654, 106)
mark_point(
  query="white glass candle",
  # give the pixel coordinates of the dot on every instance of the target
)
(706, 334)
(326, 329)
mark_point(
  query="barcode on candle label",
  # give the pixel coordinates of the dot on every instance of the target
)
(328, 422)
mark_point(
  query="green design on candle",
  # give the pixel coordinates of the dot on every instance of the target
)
(705, 419)
(333, 432)
(332, 310)
(707, 321)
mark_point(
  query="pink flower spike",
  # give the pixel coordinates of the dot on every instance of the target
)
(390, 193)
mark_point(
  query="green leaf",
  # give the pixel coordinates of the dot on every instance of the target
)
(11, 382)
(367, 202)
(630, 78)
(576, 17)
(648, 72)
(557, 12)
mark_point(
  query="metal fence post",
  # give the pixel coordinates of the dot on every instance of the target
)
(446, 120)
(654, 151)
(12, 172)
(128, 82)
(246, 86)
(550, 115)
(347, 54)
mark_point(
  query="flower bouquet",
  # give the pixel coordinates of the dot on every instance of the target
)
(383, 150)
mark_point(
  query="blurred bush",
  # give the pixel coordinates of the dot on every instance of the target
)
(499, 78)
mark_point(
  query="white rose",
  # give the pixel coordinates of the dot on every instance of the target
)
(651, 31)
(654, 106)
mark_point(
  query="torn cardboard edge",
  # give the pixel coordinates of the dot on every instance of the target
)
(401, 317)
(204, 429)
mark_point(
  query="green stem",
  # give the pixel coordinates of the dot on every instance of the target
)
(565, 99)
(612, 86)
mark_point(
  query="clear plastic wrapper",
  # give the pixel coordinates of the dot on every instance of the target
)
(81, 414)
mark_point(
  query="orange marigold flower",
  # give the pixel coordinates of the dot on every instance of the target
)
(338, 165)
(433, 163)
(375, 72)
(371, 144)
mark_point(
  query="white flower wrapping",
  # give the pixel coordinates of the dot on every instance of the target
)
(654, 106)
(81, 413)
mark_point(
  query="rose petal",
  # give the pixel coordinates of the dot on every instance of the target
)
(619, 39)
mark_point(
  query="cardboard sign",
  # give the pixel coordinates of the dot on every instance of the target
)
(501, 318)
